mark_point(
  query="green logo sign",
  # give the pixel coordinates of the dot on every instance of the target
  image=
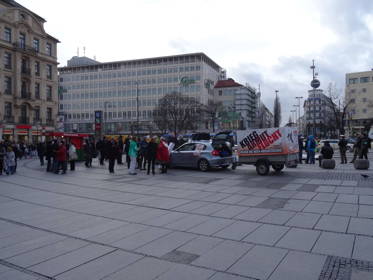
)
(185, 81)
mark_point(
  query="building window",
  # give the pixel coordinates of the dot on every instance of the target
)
(364, 110)
(37, 114)
(364, 80)
(22, 40)
(364, 99)
(49, 71)
(37, 68)
(36, 44)
(49, 114)
(8, 34)
(8, 85)
(37, 90)
(48, 49)
(7, 110)
(363, 90)
(7, 60)
(49, 93)
(352, 81)
(352, 100)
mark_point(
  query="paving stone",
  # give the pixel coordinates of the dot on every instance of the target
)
(71, 260)
(179, 257)
(357, 274)
(187, 222)
(308, 188)
(333, 223)
(165, 219)
(328, 197)
(304, 220)
(141, 238)
(278, 217)
(291, 187)
(185, 272)
(349, 183)
(19, 275)
(230, 211)
(146, 268)
(298, 239)
(326, 189)
(226, 276)
(299, 265)
(238, 230)
(273, 203)
(209, 209)
(191, 206)
(252, 201)
(365, 211)
(363, 249)
(335, 244)
(361, 226)
(118, 233)
(318, 207)
(200, 245)
(266, 234)
(233, 199)
(211, 226)
(345, 190)
(348, 198)
(284, 194)
(259, 262)
(304, 195)
(366, 199)
(344, 209)
(253, 214)
(222, 256)
(165, 244)
(101, 267)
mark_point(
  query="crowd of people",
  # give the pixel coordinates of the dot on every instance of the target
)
(360, 149)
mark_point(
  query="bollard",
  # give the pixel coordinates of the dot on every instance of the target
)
(361, 164)
(328, 163)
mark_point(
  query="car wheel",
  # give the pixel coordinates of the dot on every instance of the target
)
(203, 165)
(262, 168)
(225, 166)
(278, 167)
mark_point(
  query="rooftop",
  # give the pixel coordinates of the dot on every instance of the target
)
(227, 83)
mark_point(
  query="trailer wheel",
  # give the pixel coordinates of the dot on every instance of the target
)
(278, 166)
(262, 168)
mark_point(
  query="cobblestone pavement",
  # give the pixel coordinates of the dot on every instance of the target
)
(303, 223)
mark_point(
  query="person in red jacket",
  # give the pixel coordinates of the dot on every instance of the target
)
(163, 155)
(61, 157)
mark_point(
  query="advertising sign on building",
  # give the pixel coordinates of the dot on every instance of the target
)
(61, 123)
(98, 121)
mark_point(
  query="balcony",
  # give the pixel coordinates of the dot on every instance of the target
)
(26, 71)
(24, 120)
(9, 119)
(24, 48)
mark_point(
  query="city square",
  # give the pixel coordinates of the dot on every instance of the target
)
(302, 223)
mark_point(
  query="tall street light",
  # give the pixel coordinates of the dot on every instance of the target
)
(293, 111)
(299, 98)
(137, 107)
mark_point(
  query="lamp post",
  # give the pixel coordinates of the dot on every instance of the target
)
(293, 112)
(299, 98)
(137, 107)
(105, 117)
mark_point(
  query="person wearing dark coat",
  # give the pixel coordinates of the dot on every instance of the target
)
(2, 156)
(326, 152)
(89, 150)
(342, 144)
(120, 148)
(41, 152)
(112, 154)
(126, 150)
(61, 158)
(301, 147)
(49, 156)
(365, 145)
(151, 154)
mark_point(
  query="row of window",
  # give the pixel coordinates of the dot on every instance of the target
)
(362, 80)
(354, 90)
(129, 92)
(133, 83)
(118, 104)
(355, 111)
(144, 72)
(22, 41)
(25, 66)
(112, 115)
(353, 100)
(25, 89)
(8, 112)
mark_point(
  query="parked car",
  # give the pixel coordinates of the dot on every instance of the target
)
(202, 155)
(334, 144)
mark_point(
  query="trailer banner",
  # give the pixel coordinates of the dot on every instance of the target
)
(268, 141)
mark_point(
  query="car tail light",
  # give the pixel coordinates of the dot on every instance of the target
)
(215, 153)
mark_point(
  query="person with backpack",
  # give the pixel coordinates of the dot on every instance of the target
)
(310, 148)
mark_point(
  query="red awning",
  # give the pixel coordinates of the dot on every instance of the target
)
(23, 126)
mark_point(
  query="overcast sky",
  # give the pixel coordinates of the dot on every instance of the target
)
(271, 43)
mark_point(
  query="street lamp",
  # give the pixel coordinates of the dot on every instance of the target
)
(105, 117)
(293, 111)
(299, 98)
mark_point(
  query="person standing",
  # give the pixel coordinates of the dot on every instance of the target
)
(132, 153)
(365, 145)
(343, 149)
(112, 154)
(2, 156)
(126, 150)
(163, 155)
(49, 156)
(120, 148)
(310, 148)
(10, 160)
(357, 148)
(88, 153)
(41, 152)
(100, 148)
(142, 153)
(73, 156)
(151, 154)
(61, 157)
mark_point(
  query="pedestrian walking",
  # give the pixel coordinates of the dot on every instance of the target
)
(163, 155)
(61, 157)
(10, 161)
(73, 156)
(342, 144)
(132, 153)
(88, 149)
(310, 148)
(41, 149)
(301, 147)
(151, 154)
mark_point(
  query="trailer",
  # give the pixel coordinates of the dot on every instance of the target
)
(268, 147)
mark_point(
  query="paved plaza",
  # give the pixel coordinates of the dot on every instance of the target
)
(304, 223)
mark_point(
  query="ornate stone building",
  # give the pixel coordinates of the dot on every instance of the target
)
(28, 74)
